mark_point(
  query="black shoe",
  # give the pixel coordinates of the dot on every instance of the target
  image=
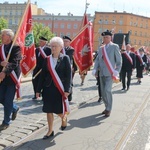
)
(128, 88)
(107, 113)
(14, 114)
(3, 126)
(123, 89)
(100, 99)
(63, 127)
(34, 98)
(104, 112)
(48, 136)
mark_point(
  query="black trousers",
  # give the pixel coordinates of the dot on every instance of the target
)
(124, 74)
(35, 84)
(99, 85)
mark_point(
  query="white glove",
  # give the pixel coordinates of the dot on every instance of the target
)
(115, 73)
(93, 72)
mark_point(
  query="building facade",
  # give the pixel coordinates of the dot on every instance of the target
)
(138, 26)
(61, 25)
(13, 12)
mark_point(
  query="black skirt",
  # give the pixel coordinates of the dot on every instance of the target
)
(52, 100)
(139, 72)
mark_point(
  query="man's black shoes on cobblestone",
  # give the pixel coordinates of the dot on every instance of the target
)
(106, 113)
(100, 99)
(3, 126)
(14, 115)
(34, 98)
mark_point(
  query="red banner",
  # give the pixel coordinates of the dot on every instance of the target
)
(25, 40)
(82, 44)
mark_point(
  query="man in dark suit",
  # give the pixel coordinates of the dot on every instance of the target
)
(41, 53)
(128, 65)
(70, 52)
(8, 71)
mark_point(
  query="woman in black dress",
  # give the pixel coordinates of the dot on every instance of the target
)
(55, 84)
(141, 61)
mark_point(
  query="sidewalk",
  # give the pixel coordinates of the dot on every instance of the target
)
(31, 118)
(88, 130)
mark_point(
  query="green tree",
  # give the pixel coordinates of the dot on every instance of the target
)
(40, 30)
(3, 24)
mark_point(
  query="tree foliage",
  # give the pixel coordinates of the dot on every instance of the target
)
(3, 24)
(40, 30)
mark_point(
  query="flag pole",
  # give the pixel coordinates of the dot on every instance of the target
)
(80, 32)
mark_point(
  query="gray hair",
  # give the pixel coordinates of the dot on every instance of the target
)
(58, 40)
(9, 32)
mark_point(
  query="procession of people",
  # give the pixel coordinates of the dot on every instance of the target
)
(52, 77)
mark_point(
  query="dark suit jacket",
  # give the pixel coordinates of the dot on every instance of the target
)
(14, 63)
(138, 63)
(70, 51)
(40, 59)
(126, 65)
(63, 70)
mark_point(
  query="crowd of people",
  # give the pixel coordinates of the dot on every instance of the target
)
(55, 69)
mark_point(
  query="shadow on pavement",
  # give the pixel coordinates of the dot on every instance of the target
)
(89, 88)
(86, 122)
(38, 144)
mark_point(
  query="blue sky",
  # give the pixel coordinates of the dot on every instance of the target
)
(77, 7)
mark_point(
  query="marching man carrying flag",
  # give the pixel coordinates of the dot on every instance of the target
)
(9, 73)
(109, 63)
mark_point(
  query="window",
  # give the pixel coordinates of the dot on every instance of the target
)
(68, 26)
(135, 32)
(10, 21)
(106, 21)
(55, 25)
(100, 21)
(50, 25)
(61, 34)
(62, 26)
(120, 31)
(68, 34)
(130, 23)
(134, 41)
(120, 22)
(140, 33)
(75, 26)
(10, 13)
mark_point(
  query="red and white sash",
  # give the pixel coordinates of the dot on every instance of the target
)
(108, 64)
(12, 74)
(140, 59)
(128, 57)
(42, 52)
(58, 84)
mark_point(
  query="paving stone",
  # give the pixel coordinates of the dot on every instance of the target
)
(20, 135)
(5, 143)
(13, 138)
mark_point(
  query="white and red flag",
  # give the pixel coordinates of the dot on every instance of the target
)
(25, 40)
(83, 45)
